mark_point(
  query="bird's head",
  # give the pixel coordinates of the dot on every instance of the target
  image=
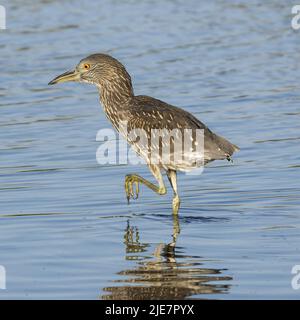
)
(98, 69)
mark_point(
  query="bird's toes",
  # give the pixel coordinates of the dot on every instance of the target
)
(129, 188)
(137, 190)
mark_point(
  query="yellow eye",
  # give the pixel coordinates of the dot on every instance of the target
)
(86, 66)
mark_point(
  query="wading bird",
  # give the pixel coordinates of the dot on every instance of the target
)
(142, 112)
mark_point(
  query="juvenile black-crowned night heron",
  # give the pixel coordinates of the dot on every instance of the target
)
(142, 112)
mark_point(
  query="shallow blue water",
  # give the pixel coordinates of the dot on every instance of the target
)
(66, 230)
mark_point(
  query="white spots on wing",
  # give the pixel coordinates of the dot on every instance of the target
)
(164, 144)
(160, 115)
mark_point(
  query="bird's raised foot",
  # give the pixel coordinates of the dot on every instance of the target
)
(131, 180)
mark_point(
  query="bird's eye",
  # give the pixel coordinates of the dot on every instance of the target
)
(86, 66)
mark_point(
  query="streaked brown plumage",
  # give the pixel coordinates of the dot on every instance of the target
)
(122, 106)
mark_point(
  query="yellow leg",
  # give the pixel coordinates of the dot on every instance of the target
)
(173, 181)
(176, 229)
(134, 179)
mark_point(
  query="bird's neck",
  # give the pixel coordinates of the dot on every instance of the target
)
(115, 93)
(115, 97)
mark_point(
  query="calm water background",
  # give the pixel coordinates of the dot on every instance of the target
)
(66, 230)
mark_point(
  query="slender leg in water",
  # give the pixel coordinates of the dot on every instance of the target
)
(176, 230)
(172, 176)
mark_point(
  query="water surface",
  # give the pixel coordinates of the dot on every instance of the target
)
(66, 230)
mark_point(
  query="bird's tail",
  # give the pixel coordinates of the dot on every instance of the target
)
(226, 147)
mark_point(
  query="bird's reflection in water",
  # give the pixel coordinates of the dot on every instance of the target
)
(168, 273)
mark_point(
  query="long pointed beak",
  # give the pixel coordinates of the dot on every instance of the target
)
(66, 77)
